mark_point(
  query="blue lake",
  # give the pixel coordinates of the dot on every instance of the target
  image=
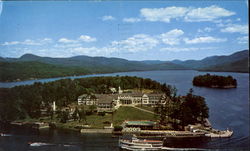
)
(229, 108)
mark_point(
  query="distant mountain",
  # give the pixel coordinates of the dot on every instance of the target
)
(97, 64)
(236, 66)
(219, 62)
(32, 66)
(150, 62)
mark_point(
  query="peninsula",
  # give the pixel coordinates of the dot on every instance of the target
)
(105, 105)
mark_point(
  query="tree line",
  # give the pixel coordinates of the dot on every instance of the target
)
(26, 101)
(179, 111)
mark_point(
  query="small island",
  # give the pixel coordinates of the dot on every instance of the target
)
(215, 81)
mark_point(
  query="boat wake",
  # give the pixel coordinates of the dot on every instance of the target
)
(1, 134)
(37, 144)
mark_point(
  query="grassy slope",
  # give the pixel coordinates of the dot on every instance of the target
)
(97, 121)
(123, 113)
(130, 113)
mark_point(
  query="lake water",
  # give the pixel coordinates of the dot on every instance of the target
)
(229, 108)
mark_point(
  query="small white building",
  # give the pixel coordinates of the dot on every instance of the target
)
(87, 99)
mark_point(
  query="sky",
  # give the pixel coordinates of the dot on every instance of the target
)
(133, 30)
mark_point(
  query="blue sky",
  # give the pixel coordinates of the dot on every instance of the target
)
(142, 30)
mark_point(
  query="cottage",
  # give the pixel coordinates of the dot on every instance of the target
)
(87, 99)
(107, 103)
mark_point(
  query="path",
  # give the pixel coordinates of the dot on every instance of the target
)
(144, 110)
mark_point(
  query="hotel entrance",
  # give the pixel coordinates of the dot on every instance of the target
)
(124, 102)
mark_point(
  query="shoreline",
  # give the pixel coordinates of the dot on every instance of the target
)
(218, 87)
(212, 133)
(70, 76)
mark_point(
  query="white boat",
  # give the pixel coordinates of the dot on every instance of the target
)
(36, 144)
(140, 144)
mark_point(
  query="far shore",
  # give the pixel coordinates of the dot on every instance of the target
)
(31, 81)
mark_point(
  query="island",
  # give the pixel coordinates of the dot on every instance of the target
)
(118, 105)
(214, 81)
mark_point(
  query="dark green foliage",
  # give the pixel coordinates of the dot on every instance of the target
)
(10, 71)
(92, 109)
(186, 110)
(63, 116)
(236, 66)
(26, 101)
(101, 113)
(76, 114)
(214, 81)
(118, 128)
(30, 66)
(236, 62)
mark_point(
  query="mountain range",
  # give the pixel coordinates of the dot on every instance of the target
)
(31, 66)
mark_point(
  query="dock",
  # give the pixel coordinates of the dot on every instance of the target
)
(103, 131)
(222, 134)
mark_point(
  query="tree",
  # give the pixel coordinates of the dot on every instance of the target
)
(82, 114)
(63, 116)
(92, 108)
(196, 108)
(75, 114)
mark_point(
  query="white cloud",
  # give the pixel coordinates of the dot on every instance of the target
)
(67, 45)
(236, 28)
(139, 42)
(29, 42)
(205, 30)
(188, 14)
(82, 38)
(171, 37)
(180, 49)
(47, 40)
(207, 39)
(210, 13)
(106, 18)
(208, 29)
(131, 20)
(87, 38)
(65, 40)
(243, 40)
(11, 43)
(163, 14)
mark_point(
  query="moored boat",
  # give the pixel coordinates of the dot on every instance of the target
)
(140, 144)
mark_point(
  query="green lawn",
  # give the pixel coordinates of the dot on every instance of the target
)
(123, 113)
(149, 108)
(130, 113)
(97, 121)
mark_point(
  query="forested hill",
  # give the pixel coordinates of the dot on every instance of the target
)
(236, 62)
(31, 66)
(236, 66)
